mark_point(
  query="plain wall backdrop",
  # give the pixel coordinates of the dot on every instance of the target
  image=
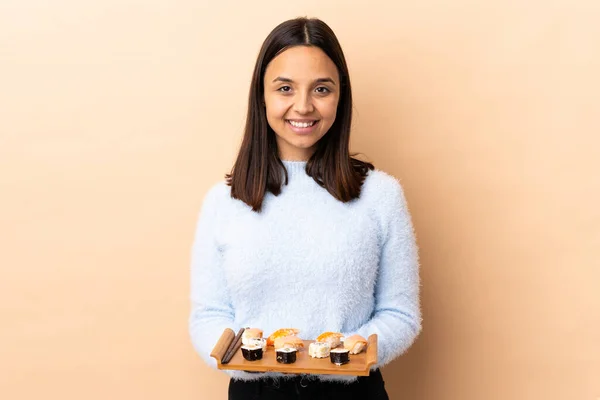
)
(117, 116)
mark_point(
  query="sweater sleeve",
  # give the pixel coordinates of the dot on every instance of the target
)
(211, 311)
(396, 318)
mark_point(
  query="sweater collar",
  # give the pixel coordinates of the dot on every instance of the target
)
(295, 168)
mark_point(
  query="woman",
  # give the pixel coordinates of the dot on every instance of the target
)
(301, 234)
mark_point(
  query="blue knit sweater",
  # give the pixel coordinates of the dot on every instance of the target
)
(307, 261)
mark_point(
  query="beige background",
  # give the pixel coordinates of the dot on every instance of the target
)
(117, 115)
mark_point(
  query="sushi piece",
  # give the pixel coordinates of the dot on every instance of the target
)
(319, 349)
(281, 333)
(252, 352)
(355, 344)
(333, 338)
(339, 356)
(251, 333)
(288, 341)
(286, 355)
(262, 342)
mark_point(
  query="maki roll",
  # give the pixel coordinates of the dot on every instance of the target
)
(319, 349)
(286, 355)
(252, 352)
(339, 356)
(262, 342)
(251, 334)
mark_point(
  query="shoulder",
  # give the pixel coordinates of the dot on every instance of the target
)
(384, 195)
(216, 195)
(381, 187)
(219, 190)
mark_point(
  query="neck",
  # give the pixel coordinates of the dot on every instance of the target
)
(294, 154)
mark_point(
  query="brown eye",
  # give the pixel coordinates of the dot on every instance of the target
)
(322, 90)
(284, 89)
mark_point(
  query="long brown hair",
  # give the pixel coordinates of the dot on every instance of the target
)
(258, 168)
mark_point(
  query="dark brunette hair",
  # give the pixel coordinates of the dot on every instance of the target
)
(258, 168)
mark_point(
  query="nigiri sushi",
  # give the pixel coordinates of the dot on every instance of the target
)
(355, 344)
(279, 333)
(333, 338)
(288, 341)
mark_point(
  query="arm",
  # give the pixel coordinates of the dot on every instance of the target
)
(211, 310)
(396, 318)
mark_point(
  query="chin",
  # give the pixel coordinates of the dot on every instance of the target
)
(304, 145)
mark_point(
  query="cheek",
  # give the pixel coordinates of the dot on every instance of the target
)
(276, 108)
(329, 109)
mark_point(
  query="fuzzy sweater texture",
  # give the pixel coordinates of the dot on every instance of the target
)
(307, 261)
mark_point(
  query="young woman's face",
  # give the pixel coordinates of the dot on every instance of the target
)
(302, 91)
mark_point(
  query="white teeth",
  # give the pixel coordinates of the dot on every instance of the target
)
(302, 124)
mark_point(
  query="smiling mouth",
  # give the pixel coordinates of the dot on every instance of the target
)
(303, 124)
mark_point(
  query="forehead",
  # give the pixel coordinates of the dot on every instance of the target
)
(301, 63)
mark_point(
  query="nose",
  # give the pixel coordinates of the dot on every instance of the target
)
(303, 104)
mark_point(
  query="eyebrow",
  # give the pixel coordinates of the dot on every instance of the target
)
(288, 80)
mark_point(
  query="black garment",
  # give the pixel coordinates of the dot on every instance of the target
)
(369, 387)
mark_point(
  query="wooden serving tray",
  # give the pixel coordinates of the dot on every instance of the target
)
(360, 364)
